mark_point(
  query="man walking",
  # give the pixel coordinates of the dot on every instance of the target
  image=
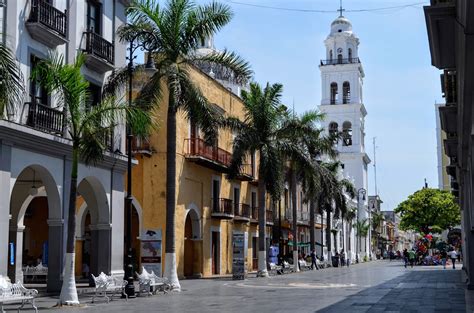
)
(453, 255)
(313, 260)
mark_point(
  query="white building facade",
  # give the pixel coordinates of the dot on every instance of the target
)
(342, 77)
(35, 152)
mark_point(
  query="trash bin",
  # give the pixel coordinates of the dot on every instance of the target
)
(335, 261)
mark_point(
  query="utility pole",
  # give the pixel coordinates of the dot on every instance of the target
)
(375, 167)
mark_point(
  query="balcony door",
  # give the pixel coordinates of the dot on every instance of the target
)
(236, 200)
(215, 243)
(38, 93)
(216, 191)
(94, 14)
(194, 137)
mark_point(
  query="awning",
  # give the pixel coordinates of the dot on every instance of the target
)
(300, 244)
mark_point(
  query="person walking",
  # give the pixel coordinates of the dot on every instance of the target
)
(343, 258)
(444, 256)
(453, 255)
(313, 260)
(412, 257)
(405, 257)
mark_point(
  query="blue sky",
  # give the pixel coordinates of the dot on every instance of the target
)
(400, 87)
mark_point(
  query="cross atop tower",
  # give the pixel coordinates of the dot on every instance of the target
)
(340, 9)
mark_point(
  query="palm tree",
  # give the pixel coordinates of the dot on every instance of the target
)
(362, 229)
(178, 28)
(336, 200)
(264, 131)
(88, 130)
(377, 218)
(11, 82)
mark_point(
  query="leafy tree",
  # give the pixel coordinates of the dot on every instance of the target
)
(178, 28)
(11, 82)
(88, 129)
(362, 229)
(429, 210)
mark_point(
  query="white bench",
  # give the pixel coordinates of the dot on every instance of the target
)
(304, 265)
(150, 283)
(36, 271)
(274, 269)
(16, 293)
(105, 283)
(287, 267)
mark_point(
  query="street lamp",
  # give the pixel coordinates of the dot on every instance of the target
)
(360, 192)
(144, 41)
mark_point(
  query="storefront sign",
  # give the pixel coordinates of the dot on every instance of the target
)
(239, 260)
(151, 250)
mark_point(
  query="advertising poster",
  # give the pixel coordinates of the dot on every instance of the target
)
(239, 261)
(151, 250)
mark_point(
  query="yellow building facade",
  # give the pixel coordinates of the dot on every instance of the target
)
(210, 208)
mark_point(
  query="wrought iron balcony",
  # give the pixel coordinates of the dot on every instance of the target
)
(222, 208)
(340, 61)
(99, 52)
(242, 212)
(44, 118)
(254, 216)
(141, 146)
(246, 173)
(209, 156)
(47, 24)
(269, 217)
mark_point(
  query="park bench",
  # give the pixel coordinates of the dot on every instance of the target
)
(150, 283)
(274, 269)
(35, 271)
(287, 267)
(105, 283)
(304, 265)
(16, 293)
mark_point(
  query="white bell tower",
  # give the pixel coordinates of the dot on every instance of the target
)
(342, 101)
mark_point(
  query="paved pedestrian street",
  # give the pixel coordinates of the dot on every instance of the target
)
(378, 286)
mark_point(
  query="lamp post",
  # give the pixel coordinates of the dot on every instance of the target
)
(360, 192)
(146, 42)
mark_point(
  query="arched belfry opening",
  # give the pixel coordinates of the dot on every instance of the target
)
(333, 93)
(347, 134)
(346, 93)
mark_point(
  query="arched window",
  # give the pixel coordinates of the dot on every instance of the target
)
(333, 128)
(350, 55)
(346, 93)
(347, 134)
(333, 93)
(330, 55)
(339, 58)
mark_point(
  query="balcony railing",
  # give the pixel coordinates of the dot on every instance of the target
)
(46, 14)
(269, 216)
(98, 46)
(246, 172)
(254, 216)
(44, 118)
(242, 211)
(141, 145)
(340, 61)
(222, 208)
(197, 147)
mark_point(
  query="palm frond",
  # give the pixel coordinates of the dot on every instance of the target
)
(12, 87)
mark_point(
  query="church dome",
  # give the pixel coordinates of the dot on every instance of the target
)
(341, 24)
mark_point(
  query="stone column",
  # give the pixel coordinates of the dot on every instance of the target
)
(117, 217)
(56, 253)
(5, 175)
(15, 272)
(100, 249)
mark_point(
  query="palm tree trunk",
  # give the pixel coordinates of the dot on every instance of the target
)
(335, 242)
(68, 294)
(170, 256)
(294, 204)
(311, 223)
(262, 223)
(328, 233)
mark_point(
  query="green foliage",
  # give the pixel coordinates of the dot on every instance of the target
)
(377, 218)
(429, 210)
(362, 228)
(11, 82)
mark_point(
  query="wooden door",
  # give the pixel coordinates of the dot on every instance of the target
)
(215, 253)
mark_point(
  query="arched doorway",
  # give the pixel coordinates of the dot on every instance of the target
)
(192, 245)
(36, 216)
(93, 230)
